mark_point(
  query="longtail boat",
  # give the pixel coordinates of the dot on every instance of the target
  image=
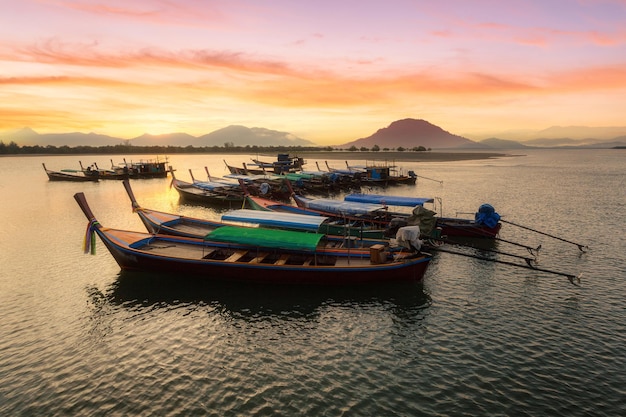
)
(353, 225)
(382, 174)
(486, 222)
(144, 169)
(217, 196)
(338, 235)
(69, 175)
(252, 255)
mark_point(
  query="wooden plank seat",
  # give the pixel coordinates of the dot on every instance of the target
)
(258, 258)
(236, 256)
(282, 260)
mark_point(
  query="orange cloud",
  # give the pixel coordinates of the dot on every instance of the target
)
(148, 11)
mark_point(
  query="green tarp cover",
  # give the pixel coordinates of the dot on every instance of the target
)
(266, 238)
(292, 176)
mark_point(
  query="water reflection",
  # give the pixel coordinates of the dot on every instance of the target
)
(147, 290)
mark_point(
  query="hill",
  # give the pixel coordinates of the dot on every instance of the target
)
(241, 136)
(503, 144)
(233, 135)
(28, 137)
(410, 133)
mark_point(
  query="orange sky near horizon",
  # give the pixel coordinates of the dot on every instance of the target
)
(327, 71)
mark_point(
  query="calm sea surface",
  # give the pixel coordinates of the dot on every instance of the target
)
(77, 337)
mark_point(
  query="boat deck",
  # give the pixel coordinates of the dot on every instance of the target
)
(253, 256)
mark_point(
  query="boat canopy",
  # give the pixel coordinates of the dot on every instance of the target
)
(266, 238)
(341, 207)
(388, 200)
(276, 219)
(212, 185)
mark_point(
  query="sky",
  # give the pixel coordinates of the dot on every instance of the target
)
(326, 71)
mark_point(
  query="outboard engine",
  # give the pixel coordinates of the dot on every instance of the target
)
(487, 215)
(393, 226)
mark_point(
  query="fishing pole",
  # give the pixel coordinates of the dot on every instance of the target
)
(570, 277)
(528, 260)
(431, 179)
(533, 251)
(580, 246)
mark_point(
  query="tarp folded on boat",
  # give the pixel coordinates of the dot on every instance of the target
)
(276, 219)
(295, 176)
(389, 200)
(252, 177)
(341, 207)
(315, 173)
(266, 238)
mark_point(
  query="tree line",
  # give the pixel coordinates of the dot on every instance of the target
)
(13, 148)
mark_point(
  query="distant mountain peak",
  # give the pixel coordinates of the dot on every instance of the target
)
(409, 133)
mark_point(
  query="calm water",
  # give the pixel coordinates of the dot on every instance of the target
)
(77, 337)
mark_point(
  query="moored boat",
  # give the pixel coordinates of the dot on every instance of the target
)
(147, 169)
(69, 175)
(253, 255)
(339, 235)
(345, 223)
(486, 222)
(382, 174)
(217, 196)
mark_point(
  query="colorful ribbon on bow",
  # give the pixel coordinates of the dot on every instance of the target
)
(89, 242)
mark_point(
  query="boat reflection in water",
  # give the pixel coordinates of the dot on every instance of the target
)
(137, 290)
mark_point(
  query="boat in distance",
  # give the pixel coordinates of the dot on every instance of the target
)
(68, 175)
(252, 255)
(143, 169)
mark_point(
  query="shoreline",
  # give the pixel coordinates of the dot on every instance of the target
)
(411, 156)
(407, 156)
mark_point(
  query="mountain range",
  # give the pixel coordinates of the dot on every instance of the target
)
(406, 133)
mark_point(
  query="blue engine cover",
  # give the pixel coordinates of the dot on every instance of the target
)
(487, 215)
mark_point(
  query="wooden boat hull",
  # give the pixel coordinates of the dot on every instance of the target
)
(129, 259)
(448, 226)
(133, 170)
(466, 229)
(62, 176)
(375, 227)
(249, 263)
(192, 194)
(177, 225)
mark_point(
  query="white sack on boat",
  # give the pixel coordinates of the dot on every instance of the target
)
(409, 237)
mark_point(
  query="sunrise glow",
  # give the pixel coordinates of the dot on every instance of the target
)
(326, 71)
